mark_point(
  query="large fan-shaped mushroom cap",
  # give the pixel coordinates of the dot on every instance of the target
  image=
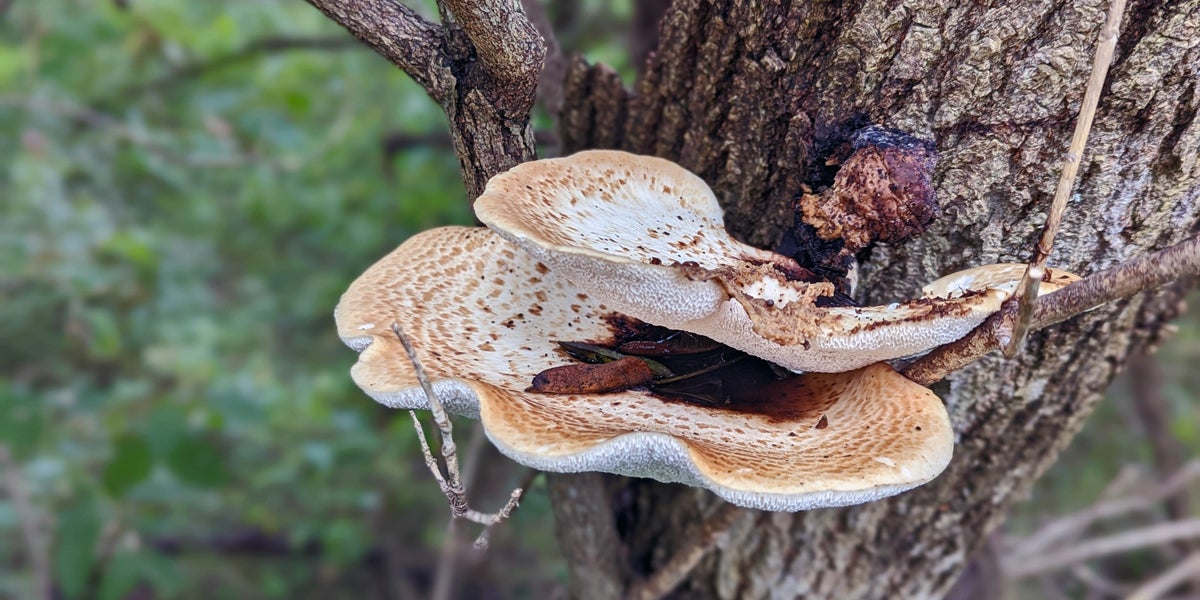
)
(647, 237)
(484, 316)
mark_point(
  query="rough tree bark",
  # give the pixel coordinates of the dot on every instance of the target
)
(753, 95)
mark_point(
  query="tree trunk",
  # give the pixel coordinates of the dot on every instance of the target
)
(753, 96)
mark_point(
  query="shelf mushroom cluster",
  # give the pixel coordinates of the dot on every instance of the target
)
(571, 243)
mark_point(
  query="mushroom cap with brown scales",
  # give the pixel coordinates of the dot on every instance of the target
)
(484, 316)
(647, 237)
(1002, 277)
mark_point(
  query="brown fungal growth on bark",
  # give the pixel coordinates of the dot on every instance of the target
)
(881, 193)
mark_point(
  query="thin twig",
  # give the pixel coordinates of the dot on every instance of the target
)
(1153, 411)
(514, 499)
(1143, 537)
(1027, 290)
(1067, 527)
(689, 555)
(451, 482)
(1169, 579)
(448, 559)
(1054, 533)
(1098, 582)
(1143, 273)
(443, 581)
(253, 49)
(37, 548)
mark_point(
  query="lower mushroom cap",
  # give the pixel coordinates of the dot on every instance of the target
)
(483, 316)
(847, 438)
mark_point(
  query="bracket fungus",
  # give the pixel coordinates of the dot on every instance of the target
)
(578, 246)
(485, 316)
(647, 237)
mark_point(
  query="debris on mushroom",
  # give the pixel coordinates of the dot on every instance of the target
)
(620, 374)
(486, 317)
(646, 237)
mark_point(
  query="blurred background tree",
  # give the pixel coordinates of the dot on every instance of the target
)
(185, 190)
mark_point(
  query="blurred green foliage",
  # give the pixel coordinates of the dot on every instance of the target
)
(179, 218)
(185, 190)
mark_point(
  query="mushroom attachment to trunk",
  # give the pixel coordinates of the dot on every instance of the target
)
(486, 316)
(647, 238)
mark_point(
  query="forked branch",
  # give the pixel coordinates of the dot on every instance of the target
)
(398, 33)
(450, 483)
(481, 65)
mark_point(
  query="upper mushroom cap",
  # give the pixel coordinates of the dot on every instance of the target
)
(484, 317)
(647, 237)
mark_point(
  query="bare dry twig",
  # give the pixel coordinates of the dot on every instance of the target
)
(1169, 579)
(450, 483)
(251, 50)
(1142, 537)
(1114, 499)
(1027, 290)
(1114, 503)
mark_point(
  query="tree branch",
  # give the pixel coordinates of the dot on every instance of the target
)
(1153, 535)
(1169, 579)
(586, 529)
(509, 47)
(451, 483)
(251, 50)
(1027, 289)
(400, 35)
(481, 66)
(1145, 272)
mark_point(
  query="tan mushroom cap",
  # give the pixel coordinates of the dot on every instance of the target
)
(647, 237)
(483, 315)
(1001, 277)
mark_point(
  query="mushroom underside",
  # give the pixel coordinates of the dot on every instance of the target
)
(484, 316)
